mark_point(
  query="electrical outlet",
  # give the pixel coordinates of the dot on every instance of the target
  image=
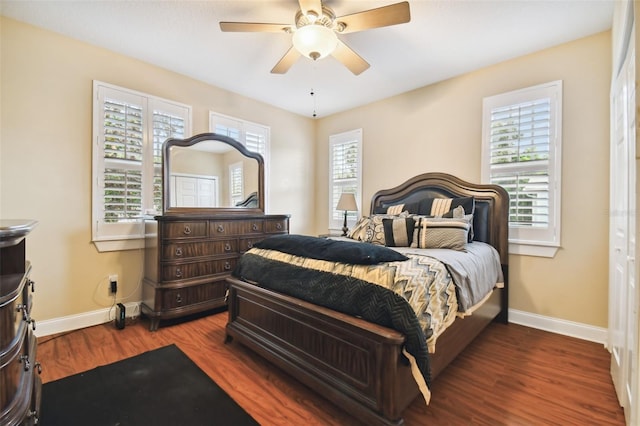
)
(113, 284)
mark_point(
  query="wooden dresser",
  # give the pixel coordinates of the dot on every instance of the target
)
(188, 258)
(20, 386)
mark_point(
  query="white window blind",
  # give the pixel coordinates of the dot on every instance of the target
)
(521, 152)
(129, 129)
(236, 183)
(165, 125)
(255, 137)
(123, 139)
(345, 174)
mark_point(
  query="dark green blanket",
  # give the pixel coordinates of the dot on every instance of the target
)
(343, 294)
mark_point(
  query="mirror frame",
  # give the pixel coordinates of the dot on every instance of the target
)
(188, 142)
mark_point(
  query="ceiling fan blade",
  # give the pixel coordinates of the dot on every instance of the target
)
(307, 5)
(374, 18)
(286, 62)
(254, 27)
(349, 58)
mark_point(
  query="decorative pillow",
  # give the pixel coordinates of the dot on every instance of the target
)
(331, 250)
(398, 232)
(397, 209)
(375, 229)
(445, 207)
(359, 231)
(441, 233)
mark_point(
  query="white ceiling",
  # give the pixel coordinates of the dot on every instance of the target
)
(445, 38)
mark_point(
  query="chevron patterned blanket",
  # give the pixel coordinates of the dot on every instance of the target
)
(416, 297)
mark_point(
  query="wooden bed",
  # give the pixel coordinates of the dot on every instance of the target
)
(356, 364)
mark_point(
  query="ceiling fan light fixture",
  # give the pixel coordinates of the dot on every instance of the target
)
(315, 41)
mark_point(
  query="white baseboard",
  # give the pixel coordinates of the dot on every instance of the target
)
(101, 316)
(86, 319)
(559, 326)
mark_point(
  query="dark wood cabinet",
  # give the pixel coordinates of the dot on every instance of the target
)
(188, 258)
(20, 386)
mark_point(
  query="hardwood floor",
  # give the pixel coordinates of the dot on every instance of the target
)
(510, 375)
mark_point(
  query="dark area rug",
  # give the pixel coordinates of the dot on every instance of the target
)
(160, 387)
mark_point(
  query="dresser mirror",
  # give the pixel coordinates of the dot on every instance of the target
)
(211, 173)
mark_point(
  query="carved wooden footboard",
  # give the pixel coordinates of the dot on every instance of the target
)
(354, 363)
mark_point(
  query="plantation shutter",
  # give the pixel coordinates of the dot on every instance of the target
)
(129, 129)
(123, 155)
(236, 183)
(255, 137)
(522, 152)
(345, 174)
(252, 136)
(519, 157)
(165, 126)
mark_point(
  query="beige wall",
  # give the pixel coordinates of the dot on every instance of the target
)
(45, 158)
(438, 128)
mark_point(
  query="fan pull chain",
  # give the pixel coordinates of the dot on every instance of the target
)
(313, 92)
(313, 95)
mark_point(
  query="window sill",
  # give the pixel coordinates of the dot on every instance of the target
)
(536, 250)
(119, 245)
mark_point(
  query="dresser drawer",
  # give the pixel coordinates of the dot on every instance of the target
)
(172, 299)
(13, 371)
(237, 227)
(183, 271)
(251, 226)
(191, 229)
(247, 243)
(173, 251)
(274, 226)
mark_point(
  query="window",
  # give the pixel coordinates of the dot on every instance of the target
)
(236, 184)
(128, 131)
(255, 137)
(345, 174)
(521, 145)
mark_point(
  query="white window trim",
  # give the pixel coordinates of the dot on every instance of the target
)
(215, 117)
(334, 224)
(127, 235)
(528, 241)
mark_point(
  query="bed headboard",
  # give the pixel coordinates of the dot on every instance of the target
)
(491, 216)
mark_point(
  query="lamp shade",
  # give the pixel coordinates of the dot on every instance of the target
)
(347, 202)
(315, 41)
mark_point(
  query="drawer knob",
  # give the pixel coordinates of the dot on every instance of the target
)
(178, 298)
(23, 308)
(25, 360)
(38, 367)
(227, 266)
(178, 273)
(227, 247)
(278, 226)
(187, 230)
(249, 244)
(220, 228)
(254, 227)
(179, 251)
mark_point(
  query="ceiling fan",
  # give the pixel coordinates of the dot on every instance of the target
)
(316, 29)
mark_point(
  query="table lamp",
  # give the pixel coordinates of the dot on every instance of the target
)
(347, 202)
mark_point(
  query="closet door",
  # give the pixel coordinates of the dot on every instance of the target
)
(623, 293)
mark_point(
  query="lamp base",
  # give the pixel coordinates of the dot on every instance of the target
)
(345, 229)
